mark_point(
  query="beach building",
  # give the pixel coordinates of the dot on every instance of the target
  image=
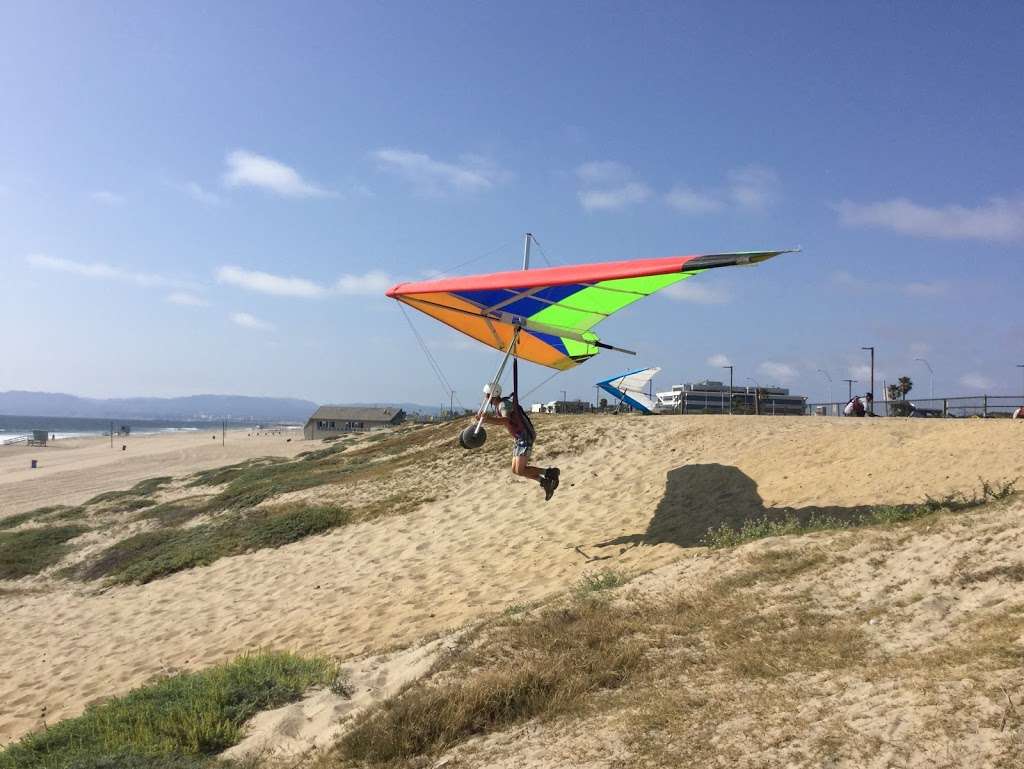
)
(711, 397)
(332, 421)
(562, 407)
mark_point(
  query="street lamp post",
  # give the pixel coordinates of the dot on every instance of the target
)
(872, 349)
(730, 388)
(823, 371)
(849, 388)
(757, 387)
(931, 378)
(1021, 367)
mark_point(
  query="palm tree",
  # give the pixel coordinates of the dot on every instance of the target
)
(905, 386)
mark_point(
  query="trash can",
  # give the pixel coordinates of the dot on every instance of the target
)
(35, 463)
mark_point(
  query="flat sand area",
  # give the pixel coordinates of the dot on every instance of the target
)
(72, 470)
(636, 493)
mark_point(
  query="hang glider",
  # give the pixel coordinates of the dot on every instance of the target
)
(554, 309)
(631, 388)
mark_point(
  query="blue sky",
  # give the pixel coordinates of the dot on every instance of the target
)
(213, 197)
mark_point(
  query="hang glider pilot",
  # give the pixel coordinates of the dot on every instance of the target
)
(514, 419)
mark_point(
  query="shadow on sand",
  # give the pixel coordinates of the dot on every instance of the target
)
(702, 497)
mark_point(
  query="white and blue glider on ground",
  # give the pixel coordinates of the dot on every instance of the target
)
(631, 388)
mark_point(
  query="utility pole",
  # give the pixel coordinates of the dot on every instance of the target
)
(849, 389)
(931, 378)
(730, 388)
(872, 349)
(757, 387)
(823, 371)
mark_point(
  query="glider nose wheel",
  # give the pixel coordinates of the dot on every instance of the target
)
(472, 437)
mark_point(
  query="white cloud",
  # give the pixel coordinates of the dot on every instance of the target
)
(201, 195)
(748, 189)
(697, 292)
(247, 169)
(471, 174)
(690, 201)
(101, 271)
(373, 282)
(920, 349)
(976, 381)
(720, 360)
(862, 373)
(106, 198)
(855, 285)
(616, 198)
(753, 187)
(933, 288)
(603, 172)
(781, 372)
(266, 283)
(186, 299)
(998, 220)
(849, 281)
(245, 320)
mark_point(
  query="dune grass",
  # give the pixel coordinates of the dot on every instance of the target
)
(145, 488)
(23, 553)
(178, 722)
(595, 582)
(249, 483)
(759, 528)
(150, 555)
(530, 667)
(40, 514)
(575, 658)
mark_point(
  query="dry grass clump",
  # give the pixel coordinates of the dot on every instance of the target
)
(556, 661)
(759, 528)
(535, 667)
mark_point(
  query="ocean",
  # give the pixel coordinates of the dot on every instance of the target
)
(14, 428)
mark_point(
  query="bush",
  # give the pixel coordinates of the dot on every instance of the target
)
(23, 553)
(174, 723)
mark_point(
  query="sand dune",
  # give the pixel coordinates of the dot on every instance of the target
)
(636, 493)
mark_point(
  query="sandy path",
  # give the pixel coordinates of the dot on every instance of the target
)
(645, 489)
(73, 470)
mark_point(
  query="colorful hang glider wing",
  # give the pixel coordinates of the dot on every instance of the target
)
(556, 307)
(631, 388)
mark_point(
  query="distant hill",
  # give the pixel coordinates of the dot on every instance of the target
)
(190, 407)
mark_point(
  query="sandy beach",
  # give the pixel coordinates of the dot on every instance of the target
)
(636, 494)
(72, 470)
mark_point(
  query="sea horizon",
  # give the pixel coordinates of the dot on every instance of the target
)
(14, 427)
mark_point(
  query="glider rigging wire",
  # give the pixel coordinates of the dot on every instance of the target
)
(434, 365)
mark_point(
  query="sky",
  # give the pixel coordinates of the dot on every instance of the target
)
(213, 197)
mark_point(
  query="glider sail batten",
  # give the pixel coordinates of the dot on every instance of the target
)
(555, 308)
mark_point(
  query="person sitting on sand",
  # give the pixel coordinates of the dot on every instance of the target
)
(1019, 413)
(854, 407)
(512, 416)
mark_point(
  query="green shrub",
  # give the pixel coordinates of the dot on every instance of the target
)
(23, 553)
(177, 722)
